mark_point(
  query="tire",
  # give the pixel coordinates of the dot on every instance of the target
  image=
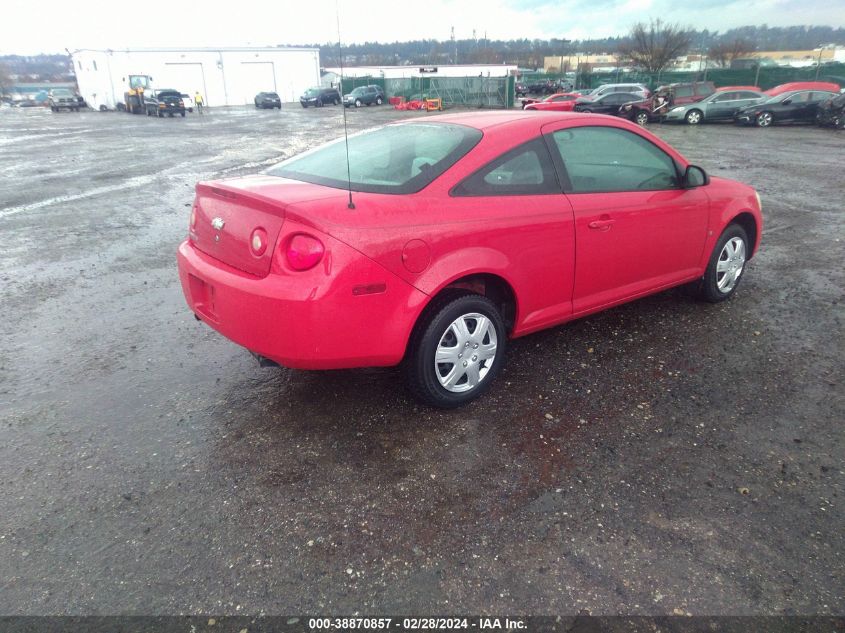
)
(641, 118)
(726, 266)
(183, 114)
(448, 385)
(304, 105)
(336, 102)
(694, 117)
(319, 103)
(161, 115)
(764, 119)
(358, 103)
(586, 111)
(379, 101)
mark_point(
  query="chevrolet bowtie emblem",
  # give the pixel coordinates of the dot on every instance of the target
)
(218, 223)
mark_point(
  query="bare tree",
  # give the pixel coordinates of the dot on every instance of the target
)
(723, 52)
(653, 46)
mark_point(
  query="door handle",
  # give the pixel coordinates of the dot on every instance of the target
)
(602, 225)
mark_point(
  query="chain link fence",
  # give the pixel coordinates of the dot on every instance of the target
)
(480, 92)
(763, 76)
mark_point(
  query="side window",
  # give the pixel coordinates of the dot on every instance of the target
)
(683, 91)
(525, 170)
(801, 97)
(747, 95)
(727, 96)
(604, 159)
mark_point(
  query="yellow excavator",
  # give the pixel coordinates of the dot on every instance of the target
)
(133, 98)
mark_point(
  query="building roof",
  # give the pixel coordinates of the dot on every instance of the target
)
(199, 49)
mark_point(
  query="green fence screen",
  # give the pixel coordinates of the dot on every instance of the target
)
(481, 92)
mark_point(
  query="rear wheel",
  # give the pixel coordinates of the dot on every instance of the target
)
(456, 350)
(694, 117)
(319, 103)
(764, 119)
(379, 101)
(642, 118)
(336, 101)
(727, 263)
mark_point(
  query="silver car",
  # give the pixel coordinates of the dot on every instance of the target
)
(720, 106)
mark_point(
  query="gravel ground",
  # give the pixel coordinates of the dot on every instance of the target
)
(668, 456)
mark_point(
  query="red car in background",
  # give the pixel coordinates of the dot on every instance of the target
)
(802, 85)
(449, 236)
(733, 88)
(560, 102)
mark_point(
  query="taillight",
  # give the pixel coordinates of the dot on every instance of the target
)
(258, 241)
(193, 217)
(304, 251)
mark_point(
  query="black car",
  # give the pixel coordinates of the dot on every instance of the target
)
(520, 89)
(268, 100)
(542, 88)
(364, 95)
(831, 113)
(319, 97)
(608, 103)
(797, 106)
(163, 102)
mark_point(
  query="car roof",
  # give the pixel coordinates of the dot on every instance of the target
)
(523, 119)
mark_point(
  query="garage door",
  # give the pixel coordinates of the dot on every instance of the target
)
(187, 78)
(252, 78)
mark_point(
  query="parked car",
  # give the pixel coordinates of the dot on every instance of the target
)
(831, 113)
(319, 97)
(542, 88)
(188, 101)
(268, 100)
(799, 106)
(470, 229)
(604, 89)
(520, 89)
(792, 86)
(364, 95)
(62, 99)
(688, 92)
(608, 103)
(164, 102)
(641, 112)
(720, 106)
(560, 102)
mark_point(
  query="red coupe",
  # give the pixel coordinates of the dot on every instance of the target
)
(448, 236)
(561, 102)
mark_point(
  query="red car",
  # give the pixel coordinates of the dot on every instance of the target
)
(560, 102)
(451, 235)
(802, 85)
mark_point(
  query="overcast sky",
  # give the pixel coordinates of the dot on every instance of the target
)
(32, 26)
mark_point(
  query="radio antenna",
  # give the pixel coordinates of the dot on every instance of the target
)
(350, 204)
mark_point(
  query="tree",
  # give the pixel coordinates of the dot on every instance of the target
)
(724, 51)
(653, 46)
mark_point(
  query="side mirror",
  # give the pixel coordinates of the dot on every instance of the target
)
(695, 176)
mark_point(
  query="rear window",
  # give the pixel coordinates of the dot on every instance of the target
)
(396, 159)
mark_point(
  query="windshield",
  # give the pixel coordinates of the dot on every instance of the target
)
(395, 159)
(61, 92)
(312, 92)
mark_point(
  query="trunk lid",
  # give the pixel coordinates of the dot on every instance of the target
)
(230, 212)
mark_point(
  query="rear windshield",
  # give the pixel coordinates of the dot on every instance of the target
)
(169, 93)
(395, 159)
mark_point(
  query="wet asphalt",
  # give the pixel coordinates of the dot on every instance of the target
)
(663, 457)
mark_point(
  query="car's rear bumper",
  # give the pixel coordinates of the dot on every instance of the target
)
(346, 312)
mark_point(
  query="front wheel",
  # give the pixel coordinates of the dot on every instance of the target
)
(456, 351)
(693, 117)
(764, 119)
(379, 101)
(358, 103)
(727, 262)
(642, 118)
(336, 102)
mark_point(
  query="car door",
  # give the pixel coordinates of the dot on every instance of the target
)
(722, 106)
(636, 229)
(746, 98)
(815, 100)
(795, 107)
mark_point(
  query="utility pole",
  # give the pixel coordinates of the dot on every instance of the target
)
(454, 46)
(819, 63)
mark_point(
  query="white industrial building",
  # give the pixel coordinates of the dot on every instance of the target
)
(224, 76)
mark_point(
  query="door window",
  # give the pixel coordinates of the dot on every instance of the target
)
(683, 91)
(525, 170)
(605, 159)
(727, 96)
(801, 97)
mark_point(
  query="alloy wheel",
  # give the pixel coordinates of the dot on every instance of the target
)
(694, 117)
(642, 118)
(730, 265)
(764, 119)
(465, 353)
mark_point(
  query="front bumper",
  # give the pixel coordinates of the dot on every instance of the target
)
(672, 115)
(315, 319)
(744, 118)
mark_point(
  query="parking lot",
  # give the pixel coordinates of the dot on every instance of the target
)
(669, 456)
